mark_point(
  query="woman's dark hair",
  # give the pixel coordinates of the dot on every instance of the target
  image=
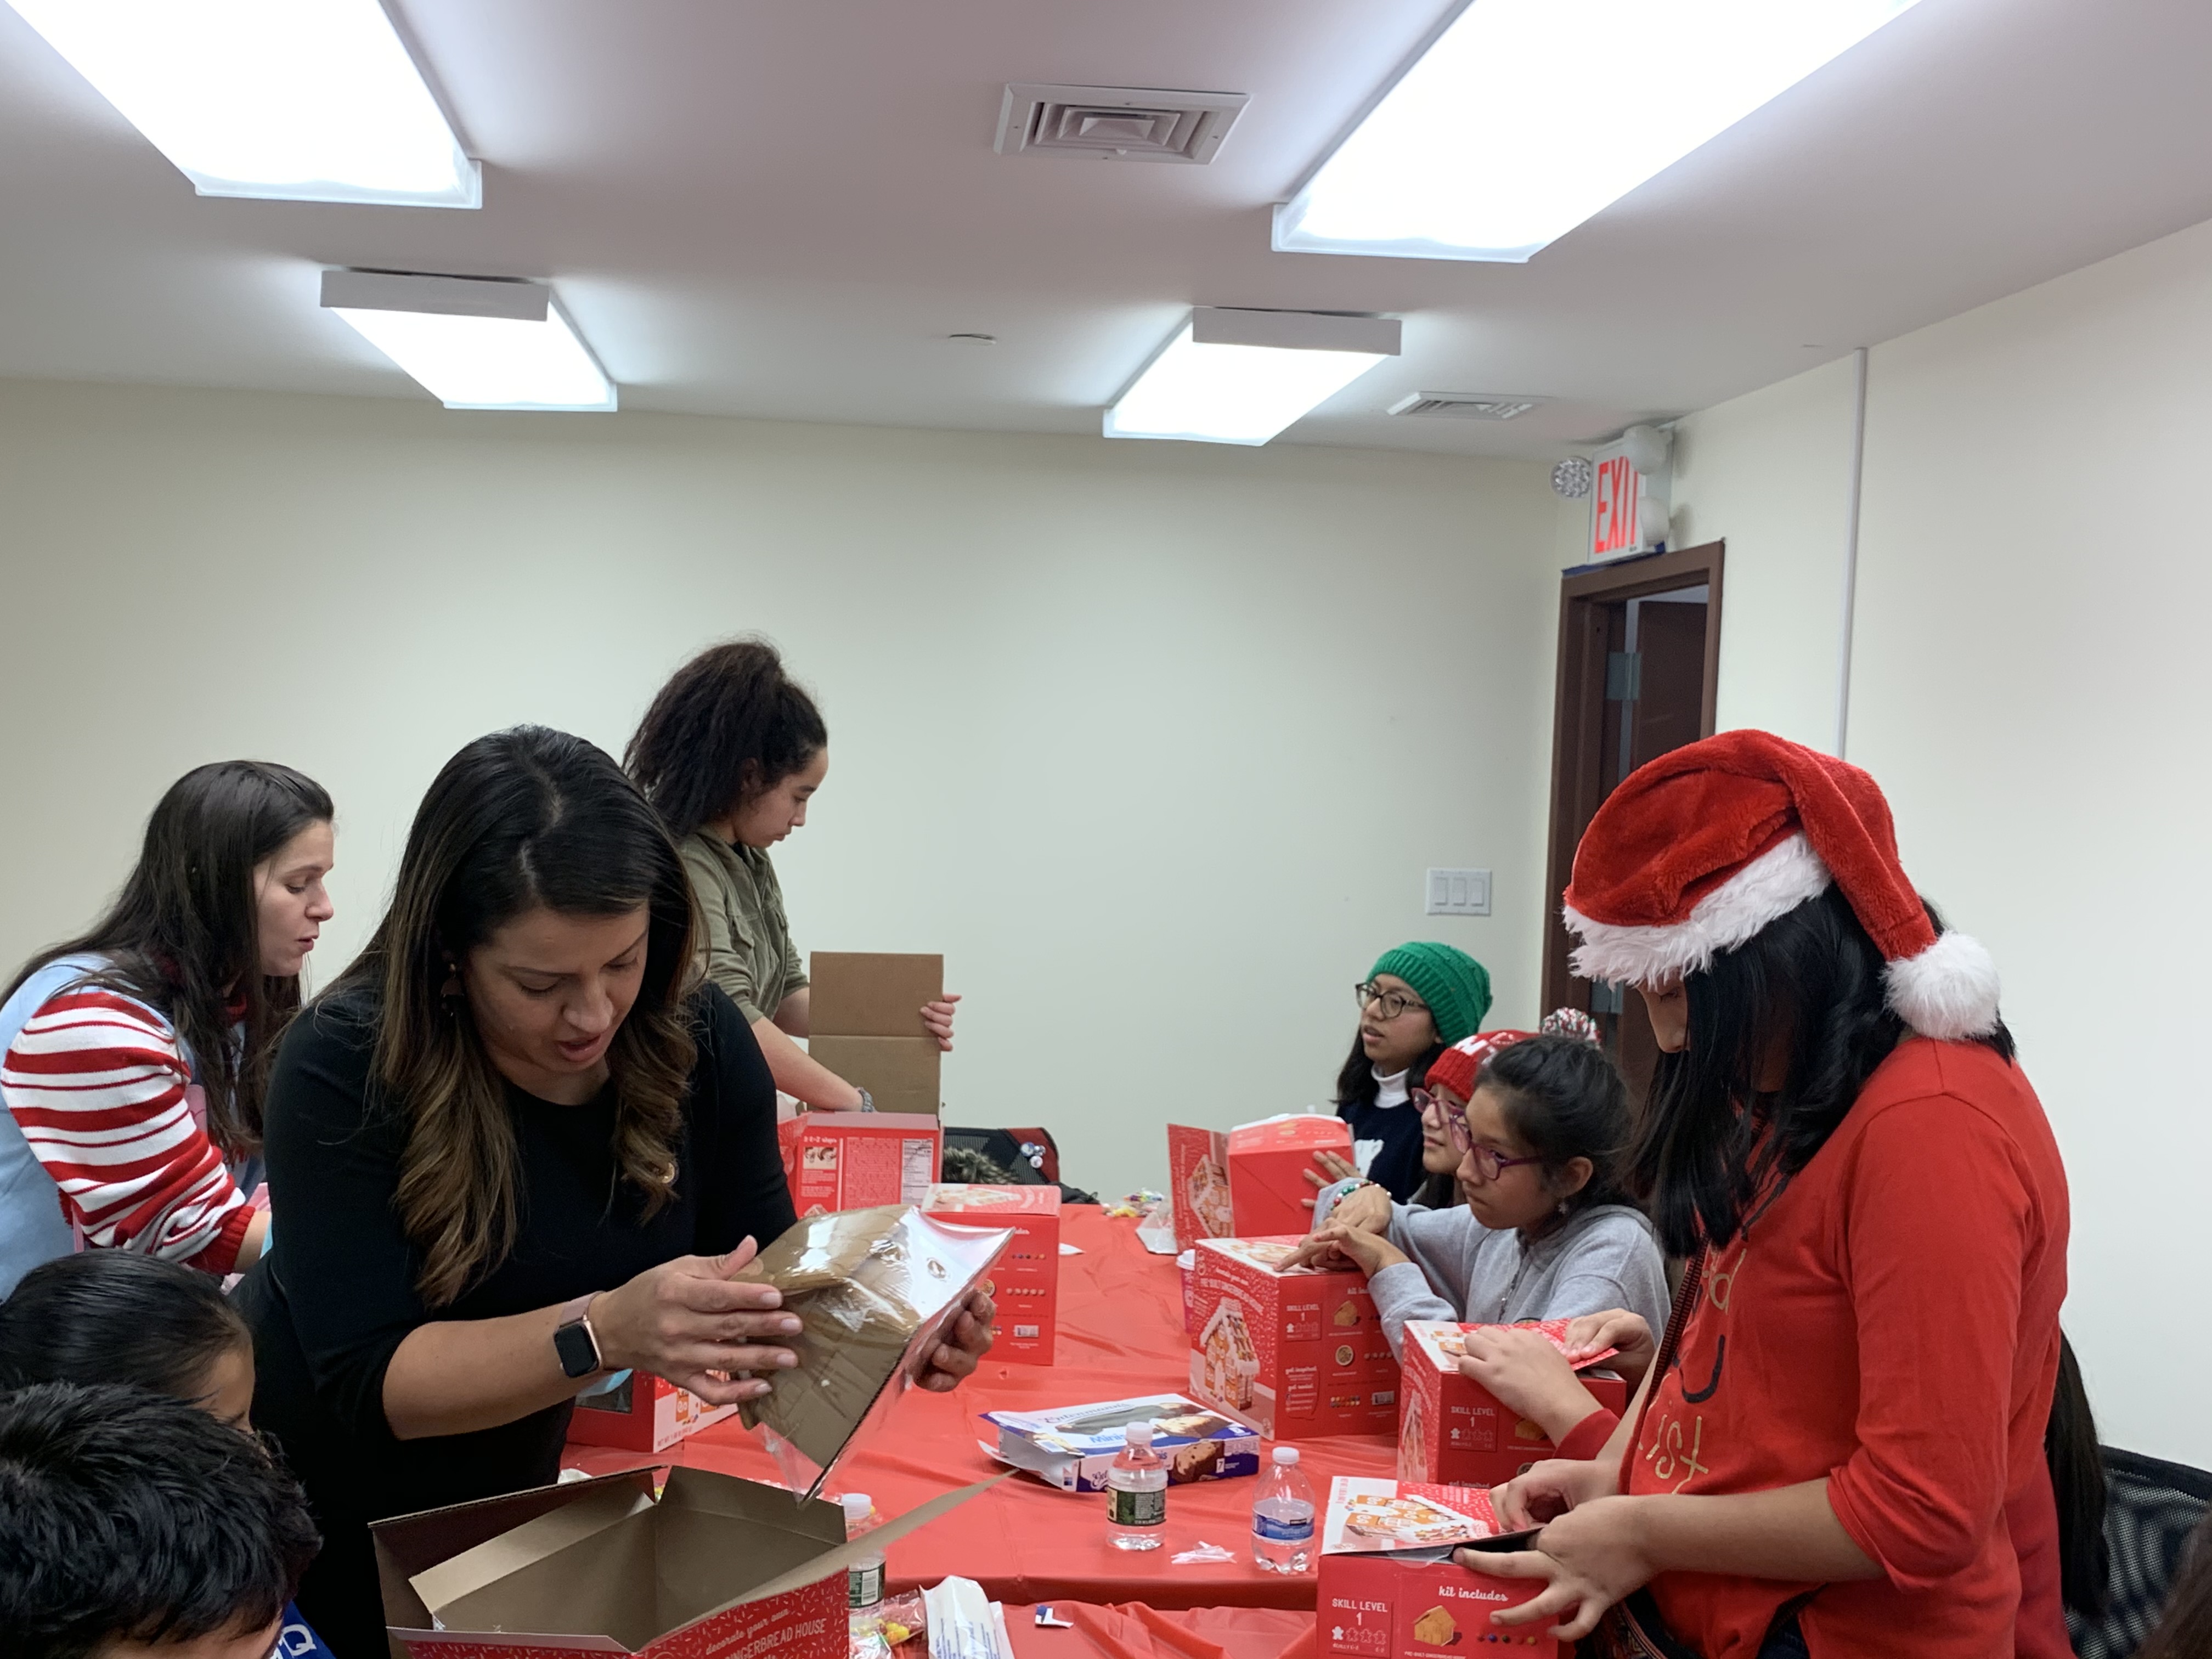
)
(2185, 1631)
(523, 819)
(125, 1517)
(1564, 1099)
(1713, 1147)
(729, 725)
(2077, 1480)
(1356, 1084)
(117, 1316)
(184, 935)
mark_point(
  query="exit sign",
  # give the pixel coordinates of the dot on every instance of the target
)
(1617, 489)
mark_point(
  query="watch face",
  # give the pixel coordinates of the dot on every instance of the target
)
(578, 1354)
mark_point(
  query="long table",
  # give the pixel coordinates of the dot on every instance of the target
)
(1120, 1333)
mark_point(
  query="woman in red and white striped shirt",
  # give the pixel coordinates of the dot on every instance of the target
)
(136, 1054)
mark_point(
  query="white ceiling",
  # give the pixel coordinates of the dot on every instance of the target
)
(781, 207)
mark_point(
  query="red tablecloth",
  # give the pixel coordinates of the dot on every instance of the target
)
(1120, 1333)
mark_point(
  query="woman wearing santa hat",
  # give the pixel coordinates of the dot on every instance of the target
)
(1839, 1449)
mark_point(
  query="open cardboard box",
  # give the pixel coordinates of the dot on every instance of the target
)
(709, 1567)
(864, 1023)
(1388, 1584)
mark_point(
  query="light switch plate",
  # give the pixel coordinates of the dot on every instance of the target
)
(1458, 893)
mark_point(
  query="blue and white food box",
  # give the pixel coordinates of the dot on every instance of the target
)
(1072, 1446)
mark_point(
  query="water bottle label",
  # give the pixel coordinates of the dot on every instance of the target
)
(1137, 1508)
(864, 1586)
(1284, 1529)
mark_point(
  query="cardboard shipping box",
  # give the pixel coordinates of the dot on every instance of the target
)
(1450, 1428)
(709, 1566)
(1025, 1283)
(1074, 1446)
(1268, 1192)
(1294, 1355)
(1198, 1184)
(872, 1290)
(642, 1414)
(1388, 1586)
(864, 1023)
(853, 1160)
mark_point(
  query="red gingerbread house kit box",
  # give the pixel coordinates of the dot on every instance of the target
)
(1389, 1588)
(708, 1565)
(1198, 1184)
(856, 1160)
(1451, 1428)
(1268, 1192)
(642, 1414)
(1292, 1354)
(1025, 1282)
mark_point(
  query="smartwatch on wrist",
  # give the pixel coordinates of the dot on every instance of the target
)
(574, 1343)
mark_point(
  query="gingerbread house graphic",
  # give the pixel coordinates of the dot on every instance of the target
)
(1413, 1439)
(1227, 1363)
(1208, 1191)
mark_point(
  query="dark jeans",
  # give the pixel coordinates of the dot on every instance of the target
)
(1784, 1641)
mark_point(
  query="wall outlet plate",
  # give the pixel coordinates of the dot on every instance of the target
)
(1458, 893)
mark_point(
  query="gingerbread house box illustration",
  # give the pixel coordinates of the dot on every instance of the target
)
(1292, 1352)
(1389, 1588)
(1198, 1184)
(1025, 1282)
(1452, 1429)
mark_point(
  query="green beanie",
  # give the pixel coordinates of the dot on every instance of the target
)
(1453, 984)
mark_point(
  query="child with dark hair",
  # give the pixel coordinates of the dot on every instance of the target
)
(134, 1526)
(1546, 1232)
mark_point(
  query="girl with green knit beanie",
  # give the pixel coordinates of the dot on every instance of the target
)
(1415, 1002)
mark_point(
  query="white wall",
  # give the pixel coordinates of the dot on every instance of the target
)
(2027, 685)
(1152, 741)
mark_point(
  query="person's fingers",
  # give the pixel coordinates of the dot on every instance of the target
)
(1557, 1599)
(696, 1293)
(1512, 1504)
(772, 1327)
(736, 1261)
(1514, 1563)
(722, 1390)
(1318, 1180)
(762, 1360)
(1581, 1624)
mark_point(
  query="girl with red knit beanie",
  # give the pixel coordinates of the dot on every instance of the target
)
(1839, 1447)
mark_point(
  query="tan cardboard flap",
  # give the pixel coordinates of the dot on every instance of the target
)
(872, 993)
(902, 1074)
(868, 1543)
(710, 1493)
(461, 1575)
(600, 1585)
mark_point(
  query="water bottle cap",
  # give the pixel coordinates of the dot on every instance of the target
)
(858, 1505)
(1138, 1434)
(1286, 1454)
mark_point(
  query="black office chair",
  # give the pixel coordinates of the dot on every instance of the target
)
(2151, 1508)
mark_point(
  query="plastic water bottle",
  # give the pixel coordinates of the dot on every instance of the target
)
(1137, 1492)
(1283, 1516)
(864, 1579)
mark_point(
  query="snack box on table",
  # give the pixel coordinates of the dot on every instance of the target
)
(709, 1564)
(1025, 1282)
(1389, 1588)
(855, 1160)
(642, 1414)
(1268, 1192)
(1198, 1184)
(1293, 1353)
(1072, 1446)
(1451, 1428)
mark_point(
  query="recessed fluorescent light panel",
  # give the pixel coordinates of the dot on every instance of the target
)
(1230, 376)
(301, 100)
(474, 342)
(1524, 117)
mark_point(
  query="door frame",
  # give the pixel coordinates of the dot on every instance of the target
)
(1577, 733)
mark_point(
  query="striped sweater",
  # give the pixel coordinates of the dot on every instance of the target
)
(100, 1089)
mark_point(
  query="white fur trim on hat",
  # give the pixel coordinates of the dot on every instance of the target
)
(1768, 888)
(1948, 992)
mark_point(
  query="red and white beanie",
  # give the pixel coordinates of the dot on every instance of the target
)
(1458, 1066)
(1700, 849)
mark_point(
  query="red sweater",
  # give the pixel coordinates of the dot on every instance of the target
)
(1892, 1324)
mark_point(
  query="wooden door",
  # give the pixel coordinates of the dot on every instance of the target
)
(1640, 652)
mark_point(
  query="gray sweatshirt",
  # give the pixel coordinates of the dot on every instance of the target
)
(1604, 1257)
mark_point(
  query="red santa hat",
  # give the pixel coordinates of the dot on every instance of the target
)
(1699, 850)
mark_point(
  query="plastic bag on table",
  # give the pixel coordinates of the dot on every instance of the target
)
(872, 1290)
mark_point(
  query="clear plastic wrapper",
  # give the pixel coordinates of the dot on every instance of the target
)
(873, 1289)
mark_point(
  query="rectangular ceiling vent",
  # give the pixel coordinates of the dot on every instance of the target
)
(1115, 123)
(1464, 406)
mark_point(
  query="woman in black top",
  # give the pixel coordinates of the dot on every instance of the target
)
(515, 1150)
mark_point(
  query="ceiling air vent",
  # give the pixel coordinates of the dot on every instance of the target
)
(1464, 406)
(1123, 124)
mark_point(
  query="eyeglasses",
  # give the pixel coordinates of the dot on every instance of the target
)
(1488, 1165)
(1394, 1003)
